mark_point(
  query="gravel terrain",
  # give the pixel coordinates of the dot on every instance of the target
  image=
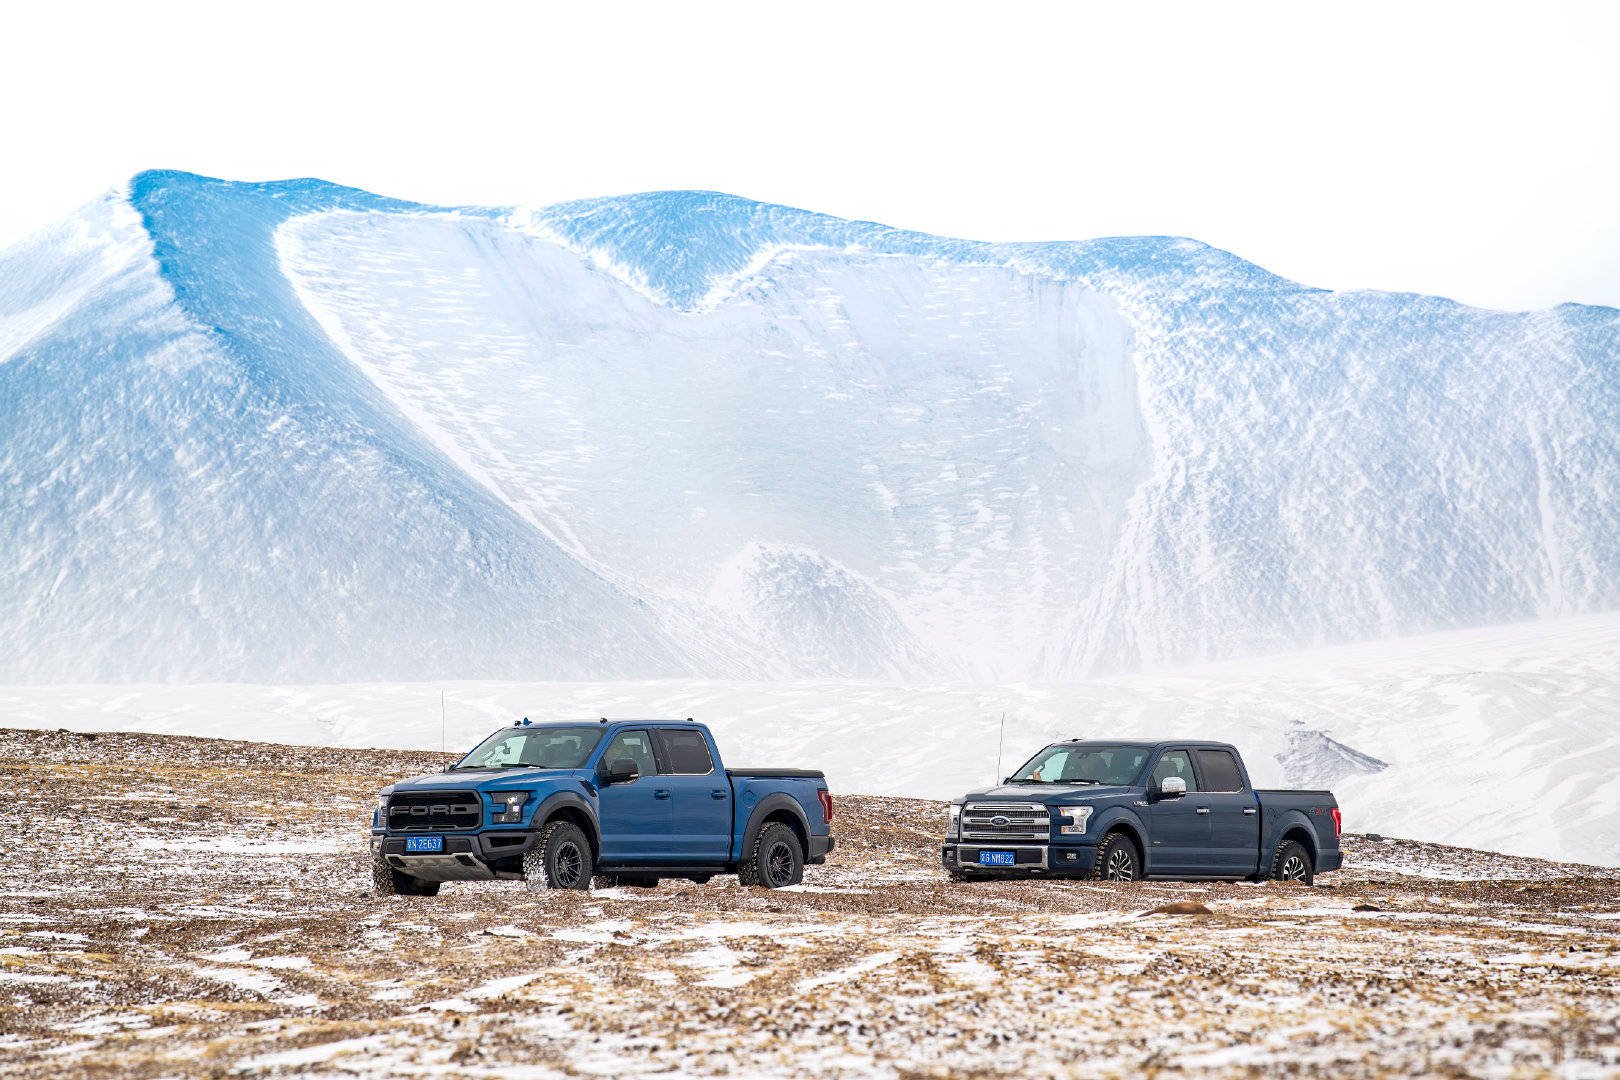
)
(194, 907)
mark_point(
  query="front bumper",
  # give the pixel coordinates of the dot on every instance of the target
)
(1028, 858)
(466, 857)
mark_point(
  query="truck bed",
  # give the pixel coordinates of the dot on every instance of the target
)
(778, 774)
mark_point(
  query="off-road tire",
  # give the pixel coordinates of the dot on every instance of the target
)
(777, 860)
(1292, 863)
(1117, 859)
(559, 858)
(390, 882)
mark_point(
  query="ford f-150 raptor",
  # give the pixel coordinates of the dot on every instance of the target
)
(1127, 810)
(628, 801)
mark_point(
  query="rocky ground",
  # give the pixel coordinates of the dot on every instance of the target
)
(193, 907)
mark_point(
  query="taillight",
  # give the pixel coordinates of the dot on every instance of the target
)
(826, 804)
(1338, 823)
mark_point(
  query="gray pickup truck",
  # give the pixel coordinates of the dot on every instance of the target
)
(1122, 810)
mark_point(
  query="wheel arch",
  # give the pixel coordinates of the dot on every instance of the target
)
(1123, 821)
(776, 807)
(1300, 833)
(569, 806)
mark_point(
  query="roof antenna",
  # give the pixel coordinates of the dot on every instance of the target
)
(1001, 741)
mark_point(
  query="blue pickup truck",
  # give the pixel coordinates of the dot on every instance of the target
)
(626, 802)
(1127, 810)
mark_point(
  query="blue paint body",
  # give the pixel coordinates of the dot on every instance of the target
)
(661, 823)
(1228, 835)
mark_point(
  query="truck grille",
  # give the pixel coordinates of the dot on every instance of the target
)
(427, 811)
(1006, 821)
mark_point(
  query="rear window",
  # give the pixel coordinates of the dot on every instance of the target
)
(683, 751)
(1220, 770)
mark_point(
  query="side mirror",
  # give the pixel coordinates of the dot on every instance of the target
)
(621, 771)
(1172, 787)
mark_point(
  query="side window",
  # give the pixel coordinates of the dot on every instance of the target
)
(683, 751)
(633, 745)
(1175, 763)
(1220, 770)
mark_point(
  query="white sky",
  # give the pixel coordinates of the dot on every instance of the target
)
(1468, 150)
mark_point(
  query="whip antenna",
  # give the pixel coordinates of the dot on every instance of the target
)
(1001, 740)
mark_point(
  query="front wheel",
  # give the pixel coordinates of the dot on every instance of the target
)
(777, 860)
(1117, 859)
(559, 858)
(1293, 863)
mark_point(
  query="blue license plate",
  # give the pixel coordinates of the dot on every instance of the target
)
(424, 845)
(995, 858)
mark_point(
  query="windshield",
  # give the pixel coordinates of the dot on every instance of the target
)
(1083, 763)
(547, 747)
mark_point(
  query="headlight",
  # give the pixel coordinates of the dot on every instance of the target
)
(509, 807)
(1078, 816)
(379, 817)
(956, 819)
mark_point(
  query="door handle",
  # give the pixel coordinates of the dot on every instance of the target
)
(1248, 810)
(1203, 809)
(718, 794)
(661, 793)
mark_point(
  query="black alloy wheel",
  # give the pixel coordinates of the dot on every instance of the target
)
(1117, 859)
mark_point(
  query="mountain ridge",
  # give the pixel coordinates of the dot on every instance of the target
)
(683, 433)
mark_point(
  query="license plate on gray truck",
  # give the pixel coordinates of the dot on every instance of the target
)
(995, 858)
(424, 845)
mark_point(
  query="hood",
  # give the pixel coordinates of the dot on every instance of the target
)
(485, 780)
(1047, 794)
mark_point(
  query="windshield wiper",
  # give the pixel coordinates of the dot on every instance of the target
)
(1029, 780)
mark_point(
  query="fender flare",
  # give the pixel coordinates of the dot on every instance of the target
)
(775, 802)
(1288, 821)
(1122, 816)
(573, 800)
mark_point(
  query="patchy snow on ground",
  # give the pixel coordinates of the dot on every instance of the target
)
(124, 958)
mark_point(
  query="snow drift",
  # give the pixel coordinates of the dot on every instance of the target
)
(298, 432)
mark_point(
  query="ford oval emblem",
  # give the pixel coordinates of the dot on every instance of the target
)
(1001, 821)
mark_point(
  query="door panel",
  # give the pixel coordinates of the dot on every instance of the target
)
(1234, 842)
(636, 816)
(1234, 845)
(701, 794)
(1179, 835)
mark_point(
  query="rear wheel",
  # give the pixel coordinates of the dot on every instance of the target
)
(1292, 863)
(390, 882)
(777, 860)
(559, 858)
(1117, 859)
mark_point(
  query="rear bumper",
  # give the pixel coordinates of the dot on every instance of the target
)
(1329, 860)
(820, 847)
(1027, 858)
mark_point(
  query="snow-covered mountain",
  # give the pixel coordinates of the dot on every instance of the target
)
(297, 432)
